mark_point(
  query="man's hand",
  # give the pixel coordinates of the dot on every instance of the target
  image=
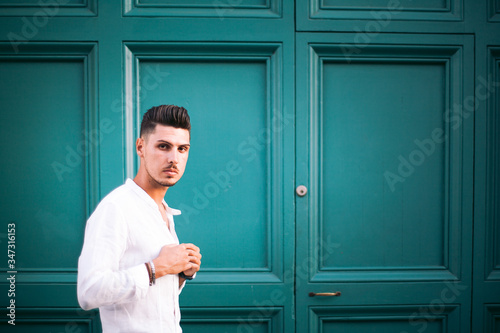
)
(174, 259)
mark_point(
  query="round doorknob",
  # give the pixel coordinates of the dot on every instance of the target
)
(301, 190)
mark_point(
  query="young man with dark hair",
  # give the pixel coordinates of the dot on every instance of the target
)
(132, 266)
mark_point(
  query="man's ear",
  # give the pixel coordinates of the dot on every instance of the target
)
(139, 147)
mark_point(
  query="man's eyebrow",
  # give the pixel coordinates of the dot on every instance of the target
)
(168, 142)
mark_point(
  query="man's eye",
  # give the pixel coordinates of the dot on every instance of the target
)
(183, 149)
(162, 146)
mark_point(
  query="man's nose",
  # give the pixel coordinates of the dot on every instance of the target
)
(173, 156)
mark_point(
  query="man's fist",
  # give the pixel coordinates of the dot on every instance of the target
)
(174, 259)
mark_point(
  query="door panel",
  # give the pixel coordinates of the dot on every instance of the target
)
(40, 173)
(233, 319)
(360, 213)
(64, 169)
(31, 320)
(231, 186)
(370, 17)
(375, 319)
(40, 11)
(48, 170)
(388, 213)
(486, 284)
(205, 8)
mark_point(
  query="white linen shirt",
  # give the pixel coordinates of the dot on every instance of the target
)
(125, 231)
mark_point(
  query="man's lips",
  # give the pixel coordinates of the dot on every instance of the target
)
(171, 171)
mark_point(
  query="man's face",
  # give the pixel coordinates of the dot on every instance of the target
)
(164, 153)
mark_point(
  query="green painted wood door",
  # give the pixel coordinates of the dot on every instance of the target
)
(387, 219)
(397, 144)
(385, 110)
(76, 76)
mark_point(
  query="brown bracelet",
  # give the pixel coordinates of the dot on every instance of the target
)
(149, 273)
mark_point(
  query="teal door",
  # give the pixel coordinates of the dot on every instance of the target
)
(76, 76)
(397, 144)
(385, 228)
(340, 148)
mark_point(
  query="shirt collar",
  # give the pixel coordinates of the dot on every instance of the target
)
(143, 195)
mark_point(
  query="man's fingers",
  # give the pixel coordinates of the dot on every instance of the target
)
(190, 246)
(190, 266)
(193, 267)
(194, 253)
(195, 260)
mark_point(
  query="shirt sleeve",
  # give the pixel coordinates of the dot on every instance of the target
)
(101, 282)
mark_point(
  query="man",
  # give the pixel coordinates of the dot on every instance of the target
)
(132, 266)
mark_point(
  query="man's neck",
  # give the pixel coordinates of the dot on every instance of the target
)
(152, 188)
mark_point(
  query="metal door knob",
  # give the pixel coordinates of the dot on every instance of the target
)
(301, 190)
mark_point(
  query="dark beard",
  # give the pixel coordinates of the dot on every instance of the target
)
(163, 183)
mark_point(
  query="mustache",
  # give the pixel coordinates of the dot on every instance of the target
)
(172, 166)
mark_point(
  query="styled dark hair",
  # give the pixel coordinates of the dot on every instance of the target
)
(169, 115)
